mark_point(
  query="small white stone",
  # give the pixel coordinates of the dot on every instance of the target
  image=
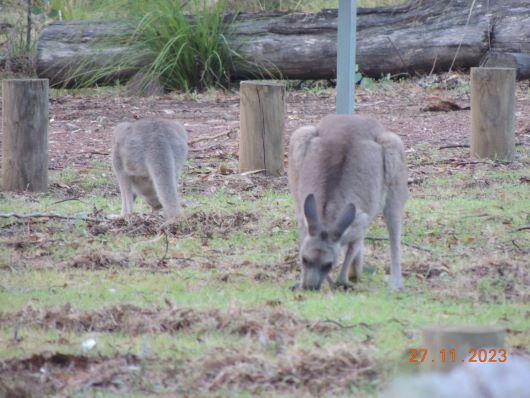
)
(87, 345)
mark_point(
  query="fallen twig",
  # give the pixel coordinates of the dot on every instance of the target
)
(340, 325)
(458, 162)
(519, 247)
(375, 239)
(48, 215)
(370, 103)
(522, 228)
(454, 146)
(433, 65)
(466, 146)
(215, 145)
(463, 36)
(9, 225)
(211, 137)
(164, 257)
(67, 200)
(397, 51)
(247, 173)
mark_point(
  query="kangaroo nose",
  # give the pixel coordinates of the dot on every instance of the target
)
(312, 279)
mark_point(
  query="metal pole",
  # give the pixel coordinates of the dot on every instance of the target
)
(346, 45)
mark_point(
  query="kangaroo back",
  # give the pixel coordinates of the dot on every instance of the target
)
(345, 160)
(148, 157)
(339, 161)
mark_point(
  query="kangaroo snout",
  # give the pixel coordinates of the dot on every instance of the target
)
(312, 282)
(314, 276)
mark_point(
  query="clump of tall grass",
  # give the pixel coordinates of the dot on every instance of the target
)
(189, 53)
(183, 45)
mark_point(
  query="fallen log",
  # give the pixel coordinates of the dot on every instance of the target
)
(419, 37)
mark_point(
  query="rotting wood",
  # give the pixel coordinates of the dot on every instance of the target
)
(416, 38)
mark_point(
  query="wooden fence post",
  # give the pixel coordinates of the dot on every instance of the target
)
(493, 113)
(450, 346)
(25, 135)
(262, 109)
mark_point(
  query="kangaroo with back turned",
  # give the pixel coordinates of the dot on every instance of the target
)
(342, 173)
(147, 157)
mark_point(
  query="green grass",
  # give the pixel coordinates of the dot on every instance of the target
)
(463, 224)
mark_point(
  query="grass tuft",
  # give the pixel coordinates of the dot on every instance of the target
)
(182, 46)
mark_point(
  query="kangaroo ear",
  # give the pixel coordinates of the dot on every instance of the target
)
(311, 215)
(343, 222)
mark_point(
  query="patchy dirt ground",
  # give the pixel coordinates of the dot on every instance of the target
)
(80, 126)
(80, 131)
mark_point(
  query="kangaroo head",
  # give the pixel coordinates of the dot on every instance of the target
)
(320, 248)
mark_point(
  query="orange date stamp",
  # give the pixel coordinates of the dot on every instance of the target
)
(451, 355)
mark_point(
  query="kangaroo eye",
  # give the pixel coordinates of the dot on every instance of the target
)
(305, 261)
(327, 267)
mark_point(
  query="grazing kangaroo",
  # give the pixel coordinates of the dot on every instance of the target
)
(342, 173)
(147, 158)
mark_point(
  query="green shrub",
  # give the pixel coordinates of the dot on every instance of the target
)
(188, 53)
(181, 44)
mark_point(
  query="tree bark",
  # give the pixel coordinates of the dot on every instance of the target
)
(419, 37)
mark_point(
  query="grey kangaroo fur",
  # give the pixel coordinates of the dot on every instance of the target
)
(147, 157)
(342, 173)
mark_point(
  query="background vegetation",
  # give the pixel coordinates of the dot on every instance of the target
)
(186, 55)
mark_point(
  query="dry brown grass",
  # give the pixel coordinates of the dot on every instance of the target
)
(267, 324)
(308, 371)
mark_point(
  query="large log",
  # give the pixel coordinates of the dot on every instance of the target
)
(418, 37)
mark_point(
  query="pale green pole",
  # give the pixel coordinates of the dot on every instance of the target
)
(346, 56)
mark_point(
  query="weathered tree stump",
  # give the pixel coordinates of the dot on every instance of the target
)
(262, 108)
(25, 135)
(493, 113)
(450, 346)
